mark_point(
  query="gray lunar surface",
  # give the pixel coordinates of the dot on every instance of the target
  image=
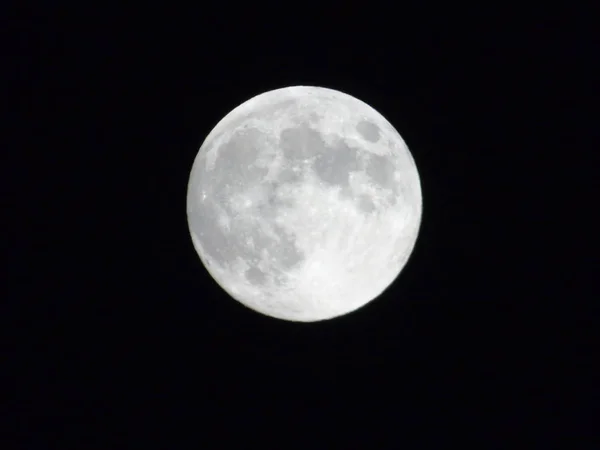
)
(304, 203)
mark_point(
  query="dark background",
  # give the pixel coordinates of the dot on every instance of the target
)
(116, 334)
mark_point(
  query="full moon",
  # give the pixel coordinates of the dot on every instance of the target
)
(304, 203)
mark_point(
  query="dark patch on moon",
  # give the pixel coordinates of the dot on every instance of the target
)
(255, 276)
(289, 175)
(381, 171)
(285, 252)
(236, 158)
(274, 200)
(368, 130)
(300, 143)
(333, 165)
(365, 204)
(313, 118)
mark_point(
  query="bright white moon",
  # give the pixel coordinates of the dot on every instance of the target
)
(304, 203)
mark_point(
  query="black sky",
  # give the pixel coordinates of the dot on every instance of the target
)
(117, 334)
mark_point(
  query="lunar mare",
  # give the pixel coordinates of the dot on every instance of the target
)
(304, 203)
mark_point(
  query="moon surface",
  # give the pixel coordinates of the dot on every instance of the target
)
(304, 203)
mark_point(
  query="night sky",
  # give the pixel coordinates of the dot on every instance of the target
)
(118, 337)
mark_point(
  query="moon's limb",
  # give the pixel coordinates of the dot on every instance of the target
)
(304, 203)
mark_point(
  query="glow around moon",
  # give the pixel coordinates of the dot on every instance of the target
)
(304, 203)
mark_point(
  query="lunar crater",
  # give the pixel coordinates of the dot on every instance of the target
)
(368, 130)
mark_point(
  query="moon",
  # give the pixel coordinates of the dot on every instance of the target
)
(304, 203)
